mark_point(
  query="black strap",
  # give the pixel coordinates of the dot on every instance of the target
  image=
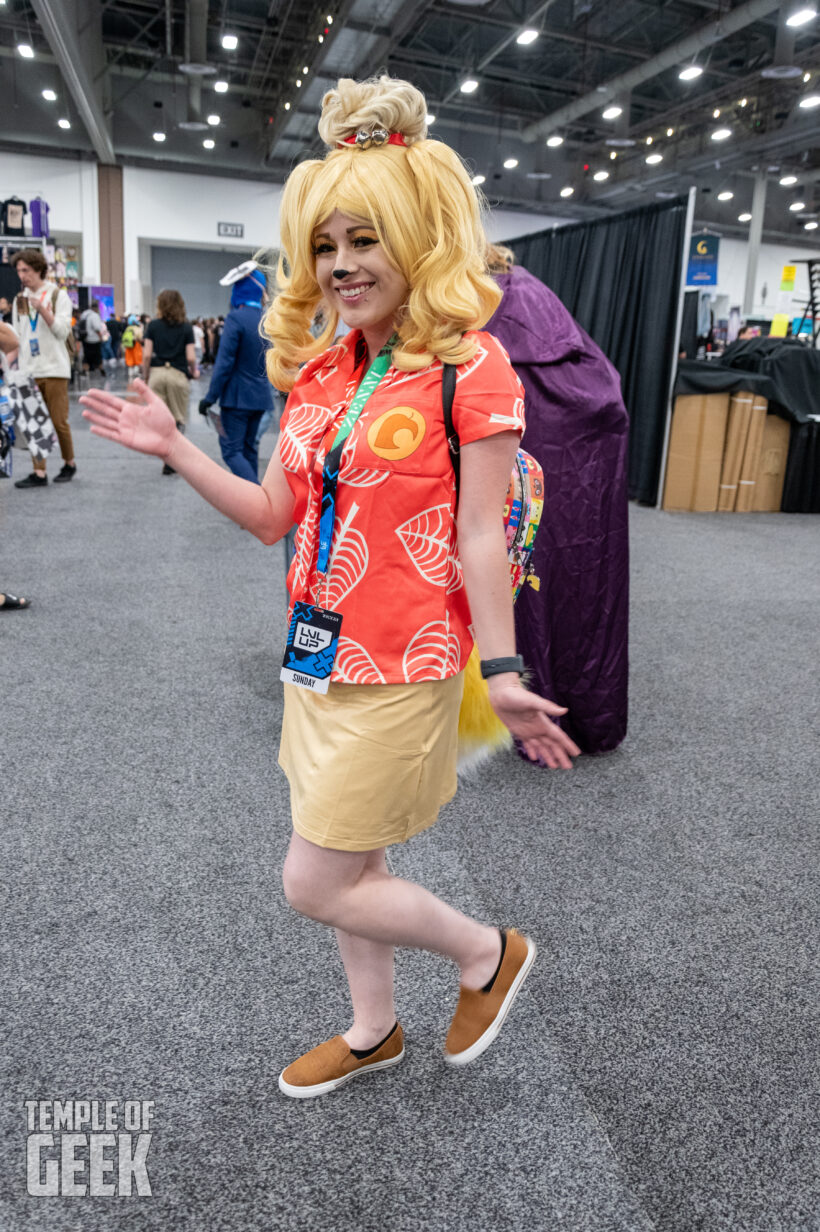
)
(448, 389)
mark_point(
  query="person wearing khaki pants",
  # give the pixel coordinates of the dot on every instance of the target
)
(169, 358)
(41, 318)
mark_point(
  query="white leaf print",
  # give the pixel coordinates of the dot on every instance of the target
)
(301, 434)
(471, 365)
(401, 378)
(515, 420)
(354, 665)
(332, 358)
(348, 561)
(363, 477)
(433, 653)
(427, 539)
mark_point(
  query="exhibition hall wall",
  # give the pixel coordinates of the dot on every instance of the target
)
(170, 208)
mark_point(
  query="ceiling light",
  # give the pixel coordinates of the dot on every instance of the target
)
(221, 87)
(721, 134)
(612, 112)
(744, 218)
(811, 100)
(230, 42)
(526, 37)
(509, 163)
(478, 179)
(797, 206)
(469, 85)
(810, 226)
(690, 72)
(208, 143)
(801, 15)
(743, 102)
(600, 176)
(429, 119)
(788, 180)
(654, 159)
(554, 141)
(159, 136)
(287, 106)
(725, 196)
(806, 77)
(614, 154)
(649, 141)
(716, 113)
(670, 132)
(25, 50)
(567, 192)
(306, 69)
(321, 38)
(329, 20)
(49, 96)
(64, 123)
(213, 120)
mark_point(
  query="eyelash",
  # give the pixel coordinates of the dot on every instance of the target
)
(361, 241)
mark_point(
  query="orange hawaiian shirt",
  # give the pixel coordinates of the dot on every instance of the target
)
(394, 574)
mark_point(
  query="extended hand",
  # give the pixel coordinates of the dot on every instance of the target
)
(145, 425)
(528, 718)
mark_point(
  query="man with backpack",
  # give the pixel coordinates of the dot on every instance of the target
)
(41, 317)
(90, 331)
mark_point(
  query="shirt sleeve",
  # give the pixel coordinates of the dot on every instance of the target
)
(189, 332)
(489, 397)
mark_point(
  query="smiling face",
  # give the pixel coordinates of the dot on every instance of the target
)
(356, 277)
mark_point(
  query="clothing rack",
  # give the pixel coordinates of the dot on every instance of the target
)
(812, 309)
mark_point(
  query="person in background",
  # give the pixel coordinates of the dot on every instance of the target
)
(9, 342)
(5, 310)
(131, 342)
(91, 334)
(41, 318)
(169, 359)
(240, 382)
(199, 340)
(115, 328)
(572, 630)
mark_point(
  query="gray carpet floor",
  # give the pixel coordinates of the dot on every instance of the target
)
(660, 1068)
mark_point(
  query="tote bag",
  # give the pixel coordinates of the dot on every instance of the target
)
(32, 422)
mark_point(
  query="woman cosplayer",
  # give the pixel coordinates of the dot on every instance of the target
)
(388, 587)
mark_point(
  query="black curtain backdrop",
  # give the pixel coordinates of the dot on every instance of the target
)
(620, 279)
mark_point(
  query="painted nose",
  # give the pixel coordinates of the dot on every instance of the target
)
(340, 273)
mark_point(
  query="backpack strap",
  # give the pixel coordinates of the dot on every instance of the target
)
(448, 389)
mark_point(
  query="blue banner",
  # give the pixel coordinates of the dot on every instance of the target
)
(703, 261)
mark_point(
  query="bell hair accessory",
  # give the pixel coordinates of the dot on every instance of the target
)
(365, 138)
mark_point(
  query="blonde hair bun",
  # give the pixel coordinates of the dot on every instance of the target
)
(380, 102)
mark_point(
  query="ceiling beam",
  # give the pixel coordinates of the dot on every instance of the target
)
(673, 55)
(55, 18)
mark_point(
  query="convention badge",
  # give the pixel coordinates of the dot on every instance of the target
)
(310, 651)
(34, 346)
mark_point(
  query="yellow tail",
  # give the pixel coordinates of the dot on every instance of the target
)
(480, 732)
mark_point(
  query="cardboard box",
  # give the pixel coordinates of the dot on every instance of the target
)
(695, 451)
(740, 412)
(771, 471)
(751, 457)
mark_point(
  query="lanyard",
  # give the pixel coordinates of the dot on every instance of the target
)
(330, 472)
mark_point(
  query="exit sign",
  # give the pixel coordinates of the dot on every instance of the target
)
(231, 230)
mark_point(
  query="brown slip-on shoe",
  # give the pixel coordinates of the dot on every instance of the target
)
(480, 1015)
(331, 1064)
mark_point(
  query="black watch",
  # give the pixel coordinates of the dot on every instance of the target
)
(496, 667)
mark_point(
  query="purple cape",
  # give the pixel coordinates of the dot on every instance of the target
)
(573, 631)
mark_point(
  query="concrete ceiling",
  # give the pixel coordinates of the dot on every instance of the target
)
(117, 69)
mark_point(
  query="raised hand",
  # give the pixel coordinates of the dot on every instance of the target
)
(145, 424)
(528, 718)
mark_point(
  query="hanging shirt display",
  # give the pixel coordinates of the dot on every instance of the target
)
(39, 217)
(12, 213)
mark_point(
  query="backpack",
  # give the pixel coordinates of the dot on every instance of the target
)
(70, 340)
(525, 494)
(128, 338)
(82, 326)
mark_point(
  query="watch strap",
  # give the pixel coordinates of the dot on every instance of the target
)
(496, 667)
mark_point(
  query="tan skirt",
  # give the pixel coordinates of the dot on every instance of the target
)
(370, 765)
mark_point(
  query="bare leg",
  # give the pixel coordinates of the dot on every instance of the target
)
(359, 896)
(369, 968)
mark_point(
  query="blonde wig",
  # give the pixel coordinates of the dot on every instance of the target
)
(426, 214)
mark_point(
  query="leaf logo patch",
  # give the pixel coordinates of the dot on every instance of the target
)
(397, 433)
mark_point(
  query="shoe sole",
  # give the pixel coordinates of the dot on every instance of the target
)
(323, 1088)
(483, 1042)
